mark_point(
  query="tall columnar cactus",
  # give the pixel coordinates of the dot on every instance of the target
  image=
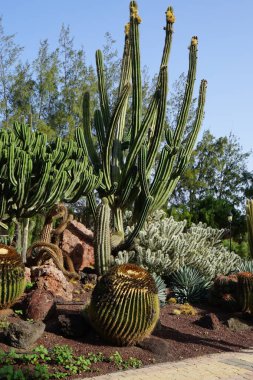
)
(102, 238)
(12, 276)
(127, 154)
(249, 216)
(124, 306)
(36, 174)
(245, 291)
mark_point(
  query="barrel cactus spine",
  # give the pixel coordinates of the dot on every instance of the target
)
(124, 306)
(12, 276)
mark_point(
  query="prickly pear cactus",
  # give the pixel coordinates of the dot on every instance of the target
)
(124, 306)
(12, 276)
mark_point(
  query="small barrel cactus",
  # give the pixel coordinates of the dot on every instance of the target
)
(124, 306)
(12, 276)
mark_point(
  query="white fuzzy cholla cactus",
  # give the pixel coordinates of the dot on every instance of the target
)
(163, 247)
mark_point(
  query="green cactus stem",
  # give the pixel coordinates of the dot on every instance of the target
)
(102, 248)
(124, 306)
(12, 276)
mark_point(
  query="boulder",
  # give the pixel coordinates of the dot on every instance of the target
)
(77, 242)
(39, 304)
(73, 325)
(157, 346)
(23, 334)
(209, 321)
(238, 324)
(51, 279)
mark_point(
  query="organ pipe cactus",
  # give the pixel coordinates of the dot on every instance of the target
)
(12, 276)
(124, 306)
(36, 174)
(127, 154)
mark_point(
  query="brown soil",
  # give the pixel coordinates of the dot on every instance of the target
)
(179, 335)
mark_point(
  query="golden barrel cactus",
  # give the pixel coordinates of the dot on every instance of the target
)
(124, 306)
(12, 276)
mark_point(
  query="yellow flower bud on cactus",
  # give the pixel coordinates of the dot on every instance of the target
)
(127, 29)
(170, 16)
(194, 41)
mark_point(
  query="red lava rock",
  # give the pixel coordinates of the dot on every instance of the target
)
(51, 279)
(209, 321)
(40, 302)
(77, 242)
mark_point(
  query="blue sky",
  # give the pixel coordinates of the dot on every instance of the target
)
(224, 29)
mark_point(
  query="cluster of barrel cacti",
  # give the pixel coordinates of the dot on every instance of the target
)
(35, 173)
(12, 276)
(233, 292)
(124, 305)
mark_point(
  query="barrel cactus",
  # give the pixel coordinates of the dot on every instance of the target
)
(124, 306)
(12, 278)
(245, 291)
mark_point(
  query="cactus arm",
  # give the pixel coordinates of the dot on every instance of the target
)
(160, 119)
(128, 186)
(136, 70)
(143, 215)
(183, 114)
(109, 141)
(87, 132)
(198, 119)
(117, 155)
(135, 147)
(102, 237)
(142, 166)
(104, 103)
(79, 135)
(98, 124)
(92, 203)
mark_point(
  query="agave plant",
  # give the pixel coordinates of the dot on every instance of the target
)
(188, 285)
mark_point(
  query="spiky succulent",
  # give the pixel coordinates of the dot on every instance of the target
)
(12, 278)
(188, 285)
(124, 305)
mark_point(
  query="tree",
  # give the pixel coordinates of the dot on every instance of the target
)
(9, 55)
(46, 76)
(214, 183)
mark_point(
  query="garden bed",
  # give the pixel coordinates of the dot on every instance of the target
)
(177, 337)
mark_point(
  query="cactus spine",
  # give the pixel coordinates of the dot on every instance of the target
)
(12, 276)
(127, 155)
(124, 305)
(102, 238)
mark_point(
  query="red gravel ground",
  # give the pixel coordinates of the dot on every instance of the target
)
(178, 337)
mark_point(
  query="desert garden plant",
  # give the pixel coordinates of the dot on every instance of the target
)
(188, 285)
(164, 246)
(126, 152)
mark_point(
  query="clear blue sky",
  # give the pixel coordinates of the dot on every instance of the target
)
(224, 28)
